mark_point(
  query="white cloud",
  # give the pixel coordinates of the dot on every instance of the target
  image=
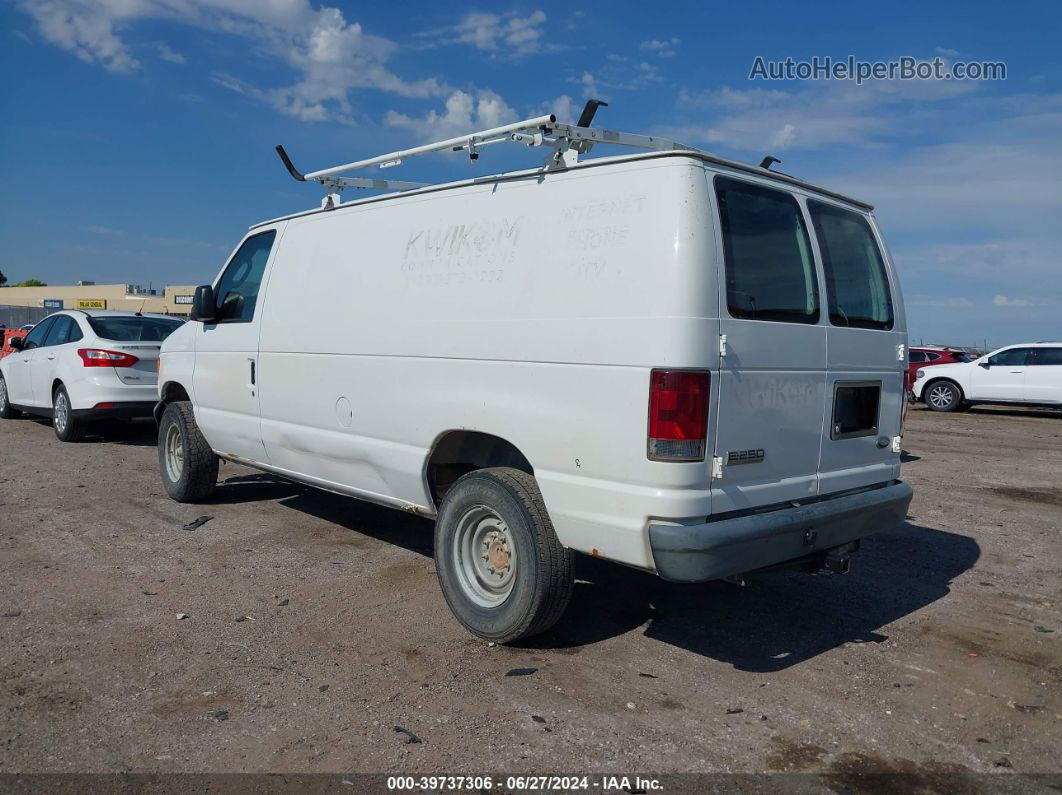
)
(816, 115)
(331, 56)
(1002, 300)
(565, 108)
(589, 85)
(464, 113)
(665, 48)
(86, 31)
(517, 34)
(167, 54)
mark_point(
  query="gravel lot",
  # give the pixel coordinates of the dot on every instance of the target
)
(938, 656)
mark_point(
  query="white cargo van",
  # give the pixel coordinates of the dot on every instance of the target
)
(667, 359)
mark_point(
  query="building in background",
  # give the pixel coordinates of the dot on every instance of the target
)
(173, 300)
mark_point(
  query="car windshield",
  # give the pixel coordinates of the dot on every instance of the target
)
(133, 329)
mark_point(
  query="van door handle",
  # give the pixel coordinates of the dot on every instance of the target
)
(252, 373)
(51, 357)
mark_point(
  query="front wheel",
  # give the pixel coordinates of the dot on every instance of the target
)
(188, 466)
(502, 570)
(6, 412)
(943, 396)
(67, 427)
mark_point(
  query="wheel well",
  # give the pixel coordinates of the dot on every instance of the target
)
(55, 385)
(456, 453)
(939, 379)
(171, 392)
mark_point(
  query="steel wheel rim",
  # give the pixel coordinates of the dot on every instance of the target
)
(59, 416)
(940, 396)
(485, 556)
(173, 448)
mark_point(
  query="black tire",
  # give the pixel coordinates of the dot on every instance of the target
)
(67, 428)
(943, 396)
(197, 474)
(6, 412)
(542, 579)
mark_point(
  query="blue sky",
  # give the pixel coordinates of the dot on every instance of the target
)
(137, 135)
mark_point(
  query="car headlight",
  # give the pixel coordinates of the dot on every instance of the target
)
(920, 373)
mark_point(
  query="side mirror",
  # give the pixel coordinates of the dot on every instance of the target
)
(984, 364)
(203, 308)
(15, 343)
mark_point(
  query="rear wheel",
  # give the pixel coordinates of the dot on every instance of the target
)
(502, 570)
(67, 428)
(944, 396)
(188, 466)
(6, 412)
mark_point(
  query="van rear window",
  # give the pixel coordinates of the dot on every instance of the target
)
(857, 286)
(770, 273)
(122, 328)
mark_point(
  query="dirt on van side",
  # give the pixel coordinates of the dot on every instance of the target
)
(295, 630)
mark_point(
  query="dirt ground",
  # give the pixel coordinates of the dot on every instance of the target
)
(938, 656)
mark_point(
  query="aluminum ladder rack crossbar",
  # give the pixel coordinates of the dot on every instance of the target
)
(564, 141)
(450, 144)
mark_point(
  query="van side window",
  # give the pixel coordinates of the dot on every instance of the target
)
(237, 292)
(857, 285)
(770, 273)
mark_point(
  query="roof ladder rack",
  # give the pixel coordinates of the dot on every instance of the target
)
(566, 142)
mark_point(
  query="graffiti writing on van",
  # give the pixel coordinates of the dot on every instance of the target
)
(457, 248)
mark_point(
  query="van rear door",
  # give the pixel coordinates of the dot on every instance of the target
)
(866, 351)
(771, 393)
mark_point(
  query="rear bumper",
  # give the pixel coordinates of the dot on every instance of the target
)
(119, 410)
(712, 550)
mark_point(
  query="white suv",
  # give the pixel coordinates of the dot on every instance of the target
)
(1029, 374)
(78, 366)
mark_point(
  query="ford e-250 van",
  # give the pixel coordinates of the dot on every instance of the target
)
(667, 359)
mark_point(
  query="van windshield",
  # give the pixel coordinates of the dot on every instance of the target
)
(856, 282)
(133, 329)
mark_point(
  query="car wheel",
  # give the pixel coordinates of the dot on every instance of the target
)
(67, 428)
(943, 396)
(6, 412)
(189, 467)
(502, 570)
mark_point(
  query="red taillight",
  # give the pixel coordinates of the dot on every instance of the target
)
(104, 406)
(94, 357)
(678, 415)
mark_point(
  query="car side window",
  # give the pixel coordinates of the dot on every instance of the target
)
(1046, 356)
(237, 292)
(770, 271)
(1014, 357)
(59, 334)
(35, 339)
(917, 357)
(932, 357)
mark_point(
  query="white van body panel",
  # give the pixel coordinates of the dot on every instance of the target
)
(533, 308)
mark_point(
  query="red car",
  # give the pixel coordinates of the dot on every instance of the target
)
(918, 358)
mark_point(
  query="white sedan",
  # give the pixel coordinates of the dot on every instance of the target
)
(1029, 374)
(78, 366)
